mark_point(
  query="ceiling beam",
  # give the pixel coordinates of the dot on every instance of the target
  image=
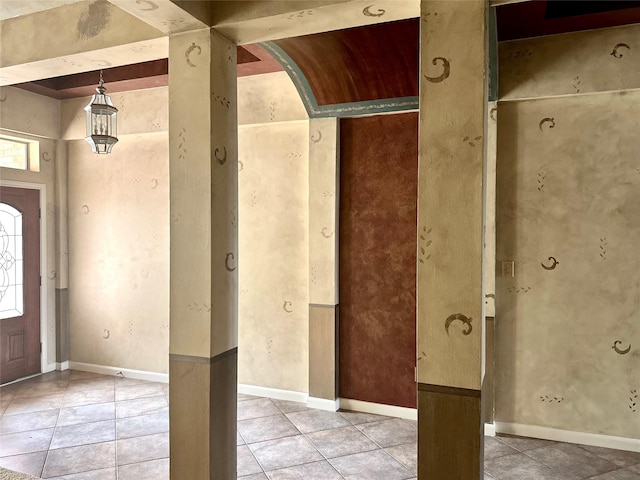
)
(74, 38)
(168, 16)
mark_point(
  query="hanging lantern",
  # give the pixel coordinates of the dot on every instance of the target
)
(101, 121)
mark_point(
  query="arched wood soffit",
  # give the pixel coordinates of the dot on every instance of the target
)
(355, 71)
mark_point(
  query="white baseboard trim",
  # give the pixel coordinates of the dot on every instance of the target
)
(125, 372)
(50, 367)
(323, 404)
(489, 429)
(62, 366)
(583, 438)
(378, 409)
(290, 395)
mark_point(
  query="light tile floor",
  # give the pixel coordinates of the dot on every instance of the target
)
(81, 426)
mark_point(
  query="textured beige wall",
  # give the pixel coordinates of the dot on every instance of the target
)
(139, 111)
(26, 112)
(582, 62)
(569, 192)
(271, 97)
(119, 243)
(273, 263)
(149, 127)
(273, 241)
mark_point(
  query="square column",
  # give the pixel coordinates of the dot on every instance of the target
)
(324, 189)
(203, 171)
(450, 315)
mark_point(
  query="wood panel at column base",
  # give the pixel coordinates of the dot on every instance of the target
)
(450, 433)
(323, 371)
(202, 416)
(488, 399)
(62, 325)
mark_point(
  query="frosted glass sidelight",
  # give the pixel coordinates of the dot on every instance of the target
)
(11, 262)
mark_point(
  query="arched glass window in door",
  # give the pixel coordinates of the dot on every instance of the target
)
(11, 262)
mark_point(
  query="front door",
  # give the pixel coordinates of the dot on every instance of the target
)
(19, 283)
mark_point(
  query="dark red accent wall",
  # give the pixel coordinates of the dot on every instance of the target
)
(378, 208)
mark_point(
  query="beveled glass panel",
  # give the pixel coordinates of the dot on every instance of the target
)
(11, 262)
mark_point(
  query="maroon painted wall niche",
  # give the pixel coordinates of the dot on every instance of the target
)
(378, 208)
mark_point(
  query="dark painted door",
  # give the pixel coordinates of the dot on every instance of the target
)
(19, 283)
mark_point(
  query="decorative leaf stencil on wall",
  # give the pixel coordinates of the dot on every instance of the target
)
(525, 52)
(576, 83)
(199, 307)
(272, 110)
(633, 400)
(472, 141)
(541, 176)
(425, 17)
(423, 245)
(603, 248)
(182, 145)
(300, 14)
(519, 289)
(551, 399)
(220, 100)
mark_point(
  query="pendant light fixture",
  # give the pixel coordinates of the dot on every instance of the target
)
(101, 121)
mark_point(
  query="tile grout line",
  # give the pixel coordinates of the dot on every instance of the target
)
(383, 448)
(55, 429)
(317, 449)
(558, 471)
(115, 428)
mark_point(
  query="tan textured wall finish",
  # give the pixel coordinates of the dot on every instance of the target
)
(268, 98)
(582, 62)
(274, 249)
(119, 243)
(568, 335)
